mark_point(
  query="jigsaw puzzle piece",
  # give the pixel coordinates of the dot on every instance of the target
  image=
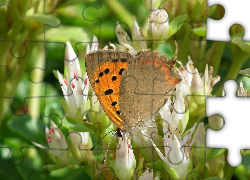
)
(97, 22)
(20, 22)
(18, 46)
(8, 171)
(227, 106)
(218, 30)
(235, 61)
(19, 156)
(186, 37)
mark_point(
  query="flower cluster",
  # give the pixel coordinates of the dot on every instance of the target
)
(158, 28)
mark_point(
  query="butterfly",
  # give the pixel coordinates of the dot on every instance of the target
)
(131, 88)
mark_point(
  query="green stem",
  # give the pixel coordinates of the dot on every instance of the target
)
(121, 12)
(6, 89)
(183, 43)
(214, 55)
(198, 168)
(183, 7)
(200, 48)
(239, 59)
(229, 171)
(37, 76)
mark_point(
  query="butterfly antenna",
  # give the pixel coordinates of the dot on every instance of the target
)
(176, 50)
(100, 140)
(103, 161)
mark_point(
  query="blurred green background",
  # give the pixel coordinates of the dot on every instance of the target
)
(32, 43)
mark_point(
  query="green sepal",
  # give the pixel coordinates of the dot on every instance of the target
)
(176, 24)
(212, 153)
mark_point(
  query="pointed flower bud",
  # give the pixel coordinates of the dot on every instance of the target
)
(177, 163)
(124, 39)
(75, 88)
(94, 46)
(137, 36)
(199, 142)
(125, 160)
(158, 24)
(194, 87)
(209, 81)
(174, 113)
(241, 90)
(147, 175)
(80, 145)
(58, 146)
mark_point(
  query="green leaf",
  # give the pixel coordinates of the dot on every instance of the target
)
(26, 126)
(7, 169)
(67, 33)
(213, 178)
(75, 127)
(166, 49)
(213, 153)
(52, 167)
(175, 24)
(173, 173)
(244, 46)
(139, 168)
(157, 166)
(245, 72)
(200, 31)
(43, 19)
(55, 74)
(196, 12)
(2, 2)
(246, 152)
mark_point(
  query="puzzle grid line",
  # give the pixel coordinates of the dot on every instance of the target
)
(60, 96)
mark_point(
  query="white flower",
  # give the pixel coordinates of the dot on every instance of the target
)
(198, 142)
(75, 88)
(125, 160)
(158, 24)
(58, 146)
(147, 175)
(194, 87)
(177, 158)
(124, 39)
(241, 90)
(209, 81)
(175, 113)
(193, 83)
(80, 145)
(94, 46)
(137, 36)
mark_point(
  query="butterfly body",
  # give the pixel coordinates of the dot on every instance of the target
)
(131, 88)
